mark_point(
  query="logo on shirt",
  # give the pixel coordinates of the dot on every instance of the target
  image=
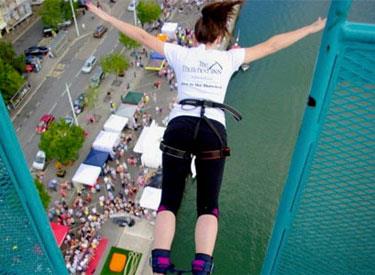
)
(204, 68)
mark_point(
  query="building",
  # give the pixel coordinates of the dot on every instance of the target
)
(13, 12)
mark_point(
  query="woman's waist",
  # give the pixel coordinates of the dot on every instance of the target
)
(187, 110)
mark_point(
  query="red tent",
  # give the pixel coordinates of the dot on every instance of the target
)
(60, 232)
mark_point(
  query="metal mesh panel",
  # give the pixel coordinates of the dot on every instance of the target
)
(333, 230)
(20, 251)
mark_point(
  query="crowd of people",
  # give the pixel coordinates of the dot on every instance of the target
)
(114, 193)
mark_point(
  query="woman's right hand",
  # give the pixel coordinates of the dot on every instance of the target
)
(318, 25)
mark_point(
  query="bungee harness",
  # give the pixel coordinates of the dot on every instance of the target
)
(221, 153)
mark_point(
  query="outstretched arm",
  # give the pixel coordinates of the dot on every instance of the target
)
(133, 32)
(281, 41)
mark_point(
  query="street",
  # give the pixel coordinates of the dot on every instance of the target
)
(51, 96)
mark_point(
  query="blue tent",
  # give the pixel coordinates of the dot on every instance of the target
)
(155, 55)
(96, 158)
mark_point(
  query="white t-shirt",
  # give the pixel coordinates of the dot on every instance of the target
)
(202, 74)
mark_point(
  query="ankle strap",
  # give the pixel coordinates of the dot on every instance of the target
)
(161, 262)
(202, 264)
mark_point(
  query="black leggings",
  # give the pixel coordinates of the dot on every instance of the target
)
(180, 134)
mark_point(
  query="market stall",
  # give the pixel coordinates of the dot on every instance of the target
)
(106, 141)
(115, 124)
(59, 231)
(148, 145)
(170, 28)
(96, 158)
(132, 98)
(150, 198)
(86, 175)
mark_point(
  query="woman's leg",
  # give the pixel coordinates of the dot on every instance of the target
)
(175, 171)
(209, 177)
(205, 234)
(164, 229)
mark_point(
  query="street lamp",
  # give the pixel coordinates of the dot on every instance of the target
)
(71, 103)
(135, 13)
(74, 15)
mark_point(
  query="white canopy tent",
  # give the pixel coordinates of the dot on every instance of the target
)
(115, 124)
(105, 141)
(150, 198)
(86, 175)
(128, 111)
(148, 145)
(170, 28)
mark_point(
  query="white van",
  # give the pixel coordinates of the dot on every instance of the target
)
(89, 64)
(39, 162)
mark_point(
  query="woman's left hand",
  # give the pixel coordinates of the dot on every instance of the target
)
(97, 11)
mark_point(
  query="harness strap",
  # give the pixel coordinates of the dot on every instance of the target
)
(174, 152)
(211, 104)
(204, 155)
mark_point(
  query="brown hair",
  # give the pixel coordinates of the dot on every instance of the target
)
(213, 22)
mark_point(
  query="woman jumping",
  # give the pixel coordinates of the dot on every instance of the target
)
(197, 122)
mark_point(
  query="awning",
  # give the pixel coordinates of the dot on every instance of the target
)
(155, 65)
(115, 124)
(60, 232)
(105, 141)
(156, 55)
(126, 110)
(132, 98)
(96, 158)
(169, 28)
(148, 145)
(150, 198)
(86, 175)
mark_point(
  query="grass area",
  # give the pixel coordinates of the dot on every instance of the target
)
(132, 262)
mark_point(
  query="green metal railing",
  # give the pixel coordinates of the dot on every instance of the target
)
(27, 244)
(326, 218)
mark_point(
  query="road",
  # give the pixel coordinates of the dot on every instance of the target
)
(51, 96)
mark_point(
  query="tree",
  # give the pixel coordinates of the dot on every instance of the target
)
(114, 63)
(66, 9)
(148, 11)
(92, 94)
(51, 13)
(43, 194)
(10, 80)
(128, 42)
(62, 142)
(9, 56)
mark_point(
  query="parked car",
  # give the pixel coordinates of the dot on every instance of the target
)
(44, 122)
(69, 120)
(124, 221)
(79, 104)
(97, 77)
(100, 31)
(64, 25)
(32, 64)
(89, 64)
(39, 162)
(36, 51)
(48, 31)
(132, 5)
